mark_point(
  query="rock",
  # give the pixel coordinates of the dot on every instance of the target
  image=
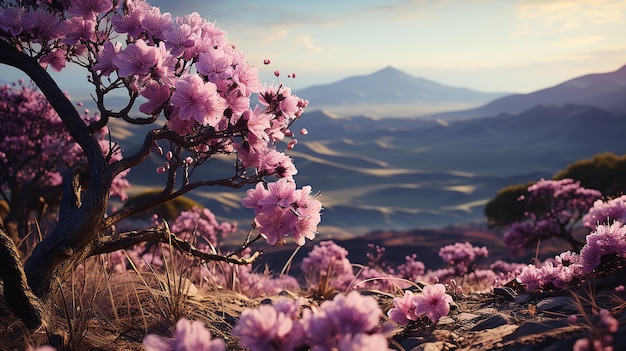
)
(493, 321)
(506, 292)
(564, 304)
(465, 316)
(522, 298)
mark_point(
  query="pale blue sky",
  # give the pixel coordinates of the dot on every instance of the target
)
(489, 45)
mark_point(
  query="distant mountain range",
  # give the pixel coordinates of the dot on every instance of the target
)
(603, 90)
(391, 92)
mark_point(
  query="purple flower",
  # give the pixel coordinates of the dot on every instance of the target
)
(89, 9)
(433, 302)
(327, 263)
(198, 100)
(266, 329)
(78, 29)
(530, 277)
(189, 336)
(350, 314)
(137, 58)
(603, 241)
(157, 94)
(404, 309)
(12, 20)
(462, 256)
(156, 23)
(56, 59)
(104, 59)
(606, 212)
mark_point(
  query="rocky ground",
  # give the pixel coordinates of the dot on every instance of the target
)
(505, 319)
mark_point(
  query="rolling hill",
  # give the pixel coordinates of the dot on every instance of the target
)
(401, 174)
(602, 90)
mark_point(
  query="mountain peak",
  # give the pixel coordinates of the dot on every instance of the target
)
(390, 72)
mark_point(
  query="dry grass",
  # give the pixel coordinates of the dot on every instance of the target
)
(99, 309)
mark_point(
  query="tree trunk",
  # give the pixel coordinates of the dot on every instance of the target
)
(85, 188)
(80, 220)
(19, 298)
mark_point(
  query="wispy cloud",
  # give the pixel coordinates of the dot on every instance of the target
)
(539, 17)
(306, 41)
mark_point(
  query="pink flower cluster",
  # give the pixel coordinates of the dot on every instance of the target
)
(433, 302)
(348, 322)
(463, 257)
(281, 210)
(327, 264)
(201, 226)
(606, 240)
(605, 212)
(554, 206)
(411, 269)
(521, 236)
(564, 270)
(561, 200)
(604, 243)
(189, 336)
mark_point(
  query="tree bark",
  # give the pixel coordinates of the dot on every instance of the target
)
(18, 295)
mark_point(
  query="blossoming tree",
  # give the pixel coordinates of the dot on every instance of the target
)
(187, 81)
(553, 208)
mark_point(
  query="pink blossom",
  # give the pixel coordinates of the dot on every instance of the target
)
(264, 328)
(43, 26)
(281, 193)
(246, 78)
(198, 100)
(89, 9)
(157, 94)
(530, 277)
(104, 59)
(403, 309)
(605, 240)
(156, 23)
(137, 58)
(56, 59)
(253, 196)
(433, 301)
(131, 23)
(606, 212)
(189, 336)
(12, 20)
(344, 316)
(78, 30)
(327, 263)
(179, 38)
(275, 223)
(215, 64)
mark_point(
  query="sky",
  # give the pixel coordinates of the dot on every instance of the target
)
(488, 45)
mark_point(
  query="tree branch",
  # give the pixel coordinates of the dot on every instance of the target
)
(128, 239)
